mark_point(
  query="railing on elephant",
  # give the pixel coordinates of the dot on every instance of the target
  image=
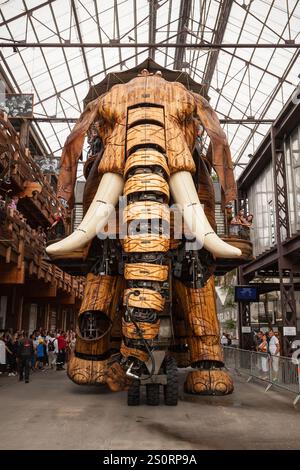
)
(279, 371)
(239, 230)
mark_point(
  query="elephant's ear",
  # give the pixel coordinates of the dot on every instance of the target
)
(221, 156)
(72, 151)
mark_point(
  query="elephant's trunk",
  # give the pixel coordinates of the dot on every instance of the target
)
(146, 245)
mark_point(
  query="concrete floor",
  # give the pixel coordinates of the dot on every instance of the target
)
(53, 413)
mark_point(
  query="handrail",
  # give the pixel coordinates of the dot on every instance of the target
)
(279, 371)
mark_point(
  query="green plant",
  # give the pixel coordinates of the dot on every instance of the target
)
(230, 324)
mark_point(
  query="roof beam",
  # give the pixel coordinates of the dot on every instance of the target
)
(273, 94)
(45, 60)
(135, 27)
(29, 11)
(73, 6)
(153, 5)
(12, 86)
(97, 74)
(275, 91)
(28, 73)
(185, 11)
(168, 28)
(99, 35)
(65, 57)
(222, 121)
(223, 15)
(110, 45)
(116, 22)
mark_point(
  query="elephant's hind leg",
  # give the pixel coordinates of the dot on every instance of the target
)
(206, 355)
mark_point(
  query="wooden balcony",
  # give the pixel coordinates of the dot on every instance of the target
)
(22, 260)
(37, 197)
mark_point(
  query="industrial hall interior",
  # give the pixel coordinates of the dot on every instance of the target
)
(149, 226)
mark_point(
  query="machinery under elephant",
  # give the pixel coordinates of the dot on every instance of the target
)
(153, 287)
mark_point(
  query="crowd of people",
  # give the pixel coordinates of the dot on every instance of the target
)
(42, 350)
(240, 224)
(56, 230)
(226, 339)
(268, 343)
(242, 219)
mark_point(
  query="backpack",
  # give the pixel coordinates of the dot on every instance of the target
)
(51, 346)
(26, 348)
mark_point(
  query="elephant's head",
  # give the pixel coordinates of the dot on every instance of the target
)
(122, 130)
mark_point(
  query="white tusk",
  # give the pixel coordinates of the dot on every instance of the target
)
(104, 202)
(184, 193)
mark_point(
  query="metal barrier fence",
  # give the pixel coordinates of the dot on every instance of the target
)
(273, 370)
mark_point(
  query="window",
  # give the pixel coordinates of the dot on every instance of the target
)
(292, 158)
(261, 205)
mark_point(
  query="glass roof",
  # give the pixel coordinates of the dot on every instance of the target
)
(243, 83)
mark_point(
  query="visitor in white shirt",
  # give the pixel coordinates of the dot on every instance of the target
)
(2, 355)
(224, 340)
(274, 350)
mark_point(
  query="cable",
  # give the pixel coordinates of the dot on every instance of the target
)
(137, 293)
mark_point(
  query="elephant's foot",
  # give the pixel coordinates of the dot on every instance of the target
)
(117, 379)
(84, 371)
(208, 382)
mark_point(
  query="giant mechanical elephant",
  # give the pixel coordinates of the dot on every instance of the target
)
(137, 281)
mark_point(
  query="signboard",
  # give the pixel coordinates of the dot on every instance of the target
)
(246, 329)
(17, 105)
(289, 331)
(47, 164)
(264, 329)
(246, 294)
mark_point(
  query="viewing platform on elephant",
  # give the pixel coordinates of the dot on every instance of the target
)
(238, 236)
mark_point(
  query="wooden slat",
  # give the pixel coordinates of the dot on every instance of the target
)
(145, 134)
(145, 113)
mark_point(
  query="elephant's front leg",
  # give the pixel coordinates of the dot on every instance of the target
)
(206, 355)
(97, 316)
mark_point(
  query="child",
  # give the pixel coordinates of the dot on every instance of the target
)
(40, 351)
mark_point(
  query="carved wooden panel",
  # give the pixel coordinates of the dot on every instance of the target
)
(145, 113)
(146, 157)
(146, 182)
(146, 243)
(145, 134)
(149, 330)
(146, 271)
(146, 210)
(146, 299)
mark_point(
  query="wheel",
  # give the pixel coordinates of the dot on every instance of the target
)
(152, 394)
(171, 389)
(133, 394)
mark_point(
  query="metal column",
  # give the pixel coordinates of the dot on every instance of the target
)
(287, 293)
